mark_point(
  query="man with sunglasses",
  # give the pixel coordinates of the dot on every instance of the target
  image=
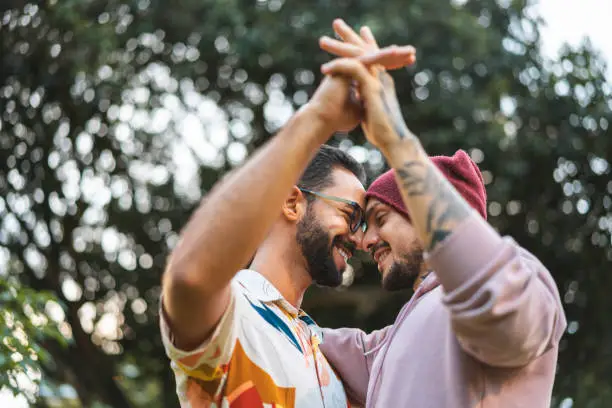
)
(238, 337)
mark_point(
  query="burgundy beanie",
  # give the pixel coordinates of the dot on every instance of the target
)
(459, 169)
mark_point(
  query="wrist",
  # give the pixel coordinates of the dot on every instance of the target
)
(397, 152)
(322, 127)
(306, 128)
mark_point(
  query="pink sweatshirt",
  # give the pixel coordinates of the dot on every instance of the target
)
(482, 332)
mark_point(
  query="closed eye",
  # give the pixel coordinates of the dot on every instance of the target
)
(348, 215)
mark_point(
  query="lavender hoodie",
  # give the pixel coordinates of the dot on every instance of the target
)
(482, 332)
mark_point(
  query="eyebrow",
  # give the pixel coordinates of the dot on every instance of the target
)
(344, 205)
(348, 206)
(370, 210)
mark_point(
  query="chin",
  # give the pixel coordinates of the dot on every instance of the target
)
(398, 276)
(327, 277)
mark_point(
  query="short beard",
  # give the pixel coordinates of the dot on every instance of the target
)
(317, 250)
(404, 273)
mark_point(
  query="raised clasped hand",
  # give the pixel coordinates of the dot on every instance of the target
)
(382, 120)
(364, 47)
(363, 62)
(336, 101)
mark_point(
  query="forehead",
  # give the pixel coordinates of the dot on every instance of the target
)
(374, 205)
(346, 185)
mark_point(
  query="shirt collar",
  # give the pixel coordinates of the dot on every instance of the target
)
(429, 283)
(261, 288)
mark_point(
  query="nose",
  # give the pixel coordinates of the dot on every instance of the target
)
(368, 239)
(356, 237)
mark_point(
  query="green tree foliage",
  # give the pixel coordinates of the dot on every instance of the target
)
(25, 328)
(116, 117)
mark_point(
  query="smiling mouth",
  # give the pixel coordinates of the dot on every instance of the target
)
(344, 252)
(381, 255)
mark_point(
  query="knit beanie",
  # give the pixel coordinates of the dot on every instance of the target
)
(459, 169)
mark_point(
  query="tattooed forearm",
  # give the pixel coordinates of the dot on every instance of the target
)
(444, 209)
(391, 105)
(435, 206)
(415, 178)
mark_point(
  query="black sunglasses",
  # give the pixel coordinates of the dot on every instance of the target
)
(356, 215)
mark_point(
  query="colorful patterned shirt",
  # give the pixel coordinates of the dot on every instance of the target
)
(263, 353)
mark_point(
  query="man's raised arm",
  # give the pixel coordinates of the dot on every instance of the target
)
(233, 219)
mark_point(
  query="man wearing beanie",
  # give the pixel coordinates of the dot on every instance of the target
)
(483, 326)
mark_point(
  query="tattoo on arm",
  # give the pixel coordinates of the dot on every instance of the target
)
(391, 105)
(445, 208)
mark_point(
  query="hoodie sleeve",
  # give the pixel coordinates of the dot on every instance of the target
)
(505, 306)
(351, 353)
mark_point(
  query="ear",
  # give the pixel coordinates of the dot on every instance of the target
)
(295, 205)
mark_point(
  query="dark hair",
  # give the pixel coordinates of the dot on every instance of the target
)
(318, 174)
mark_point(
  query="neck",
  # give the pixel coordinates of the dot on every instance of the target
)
(423, 274)
(287, 274)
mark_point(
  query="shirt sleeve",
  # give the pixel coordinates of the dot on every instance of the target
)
(351, 353)
(505, 306)
(206, 362)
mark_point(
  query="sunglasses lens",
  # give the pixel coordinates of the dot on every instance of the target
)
(355, 221)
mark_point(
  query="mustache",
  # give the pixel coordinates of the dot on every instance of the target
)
(378, 246)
